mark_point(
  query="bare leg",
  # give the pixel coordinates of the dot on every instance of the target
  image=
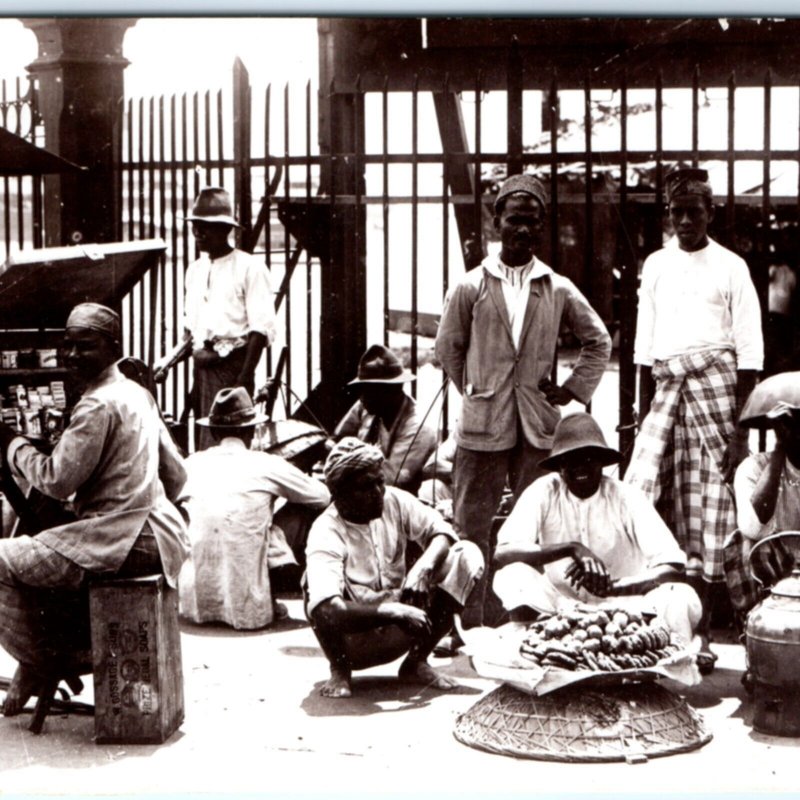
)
(26, 682)
(415, 668)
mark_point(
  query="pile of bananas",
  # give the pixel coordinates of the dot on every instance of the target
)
(605, 640)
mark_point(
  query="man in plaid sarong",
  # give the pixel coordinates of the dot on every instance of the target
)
(121, 470)
(699, 338)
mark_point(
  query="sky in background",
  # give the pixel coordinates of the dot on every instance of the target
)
(185, 54)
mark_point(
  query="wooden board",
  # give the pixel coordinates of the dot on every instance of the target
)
(136, 652)
(38, 288)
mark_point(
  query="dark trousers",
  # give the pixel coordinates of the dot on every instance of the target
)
(479, 478)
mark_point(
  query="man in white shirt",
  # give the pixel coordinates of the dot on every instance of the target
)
(698, 335)
(497, 344)
(593, 536)
(229, 312)
(230, 494)
(367, 606)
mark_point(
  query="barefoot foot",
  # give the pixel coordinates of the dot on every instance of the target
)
(26, 682)
(421, 673)
(338, 685)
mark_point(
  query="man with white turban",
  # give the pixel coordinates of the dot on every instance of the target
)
(366, 606)
(119, 466)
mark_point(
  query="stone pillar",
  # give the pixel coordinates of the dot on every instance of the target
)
(80, 73)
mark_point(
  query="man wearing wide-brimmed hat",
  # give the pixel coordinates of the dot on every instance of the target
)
(767, 489)
(229, 313)
(121, 471)
(230, 494)
(698, 335)
(384, 415)
(497, 344)
(594, 536)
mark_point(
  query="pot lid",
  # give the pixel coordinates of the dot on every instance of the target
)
(38, 288)
(788, 587)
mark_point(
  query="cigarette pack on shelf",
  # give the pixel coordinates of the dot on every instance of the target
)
(48, 357)
(9, 359)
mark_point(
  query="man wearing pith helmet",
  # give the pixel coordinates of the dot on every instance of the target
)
(118, 465)
(577, 535)
(698, 336)
(229, 312)
(384, 415)
(497, 343)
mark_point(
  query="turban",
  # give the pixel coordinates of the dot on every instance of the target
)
(96, 318)
(348, 456)
(688, 180)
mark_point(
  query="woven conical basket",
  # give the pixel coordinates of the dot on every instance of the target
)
(574, 724)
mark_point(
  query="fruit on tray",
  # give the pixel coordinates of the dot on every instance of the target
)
(602, 640)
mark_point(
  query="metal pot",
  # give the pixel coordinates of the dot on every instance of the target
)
(772, 637)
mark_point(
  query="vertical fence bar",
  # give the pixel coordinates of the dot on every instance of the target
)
(514, 109)
(151, 181)
(554, 248)
(659, 156)
(173, 182)
(446, 168)
(414, 227)
(267, 201)
(184, 263)
(287, 300)
(142, 216)
(220, 139)
(695, 116)
(162, 232)
(628, 268)
(309, 338)
(730, 207)
(588, 246)
(478, 165)
(385, 204)
(207, 134)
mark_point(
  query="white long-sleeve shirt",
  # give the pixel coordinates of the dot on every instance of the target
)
(690, 302)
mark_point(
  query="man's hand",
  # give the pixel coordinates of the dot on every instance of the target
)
(159, 373)
(555, 395)
(264, 392)
(588, 572)
(418, 585)
(736, 452)
(410, 619)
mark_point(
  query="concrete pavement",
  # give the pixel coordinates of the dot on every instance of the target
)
(255, 723)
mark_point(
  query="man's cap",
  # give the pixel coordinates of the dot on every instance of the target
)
(213, 204)
(772, 398)
(523, 183)
(232, 408)
(579, 432)
(95, 317)
(687, 180)
(380, 365)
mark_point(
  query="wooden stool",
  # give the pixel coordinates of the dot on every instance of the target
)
(47, 695)
(136, 656)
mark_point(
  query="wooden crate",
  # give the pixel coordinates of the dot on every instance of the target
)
(136, 650)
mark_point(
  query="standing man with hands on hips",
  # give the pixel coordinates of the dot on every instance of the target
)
(497, 343)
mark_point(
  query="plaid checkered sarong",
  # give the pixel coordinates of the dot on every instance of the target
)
(678, 454)
(770, 563)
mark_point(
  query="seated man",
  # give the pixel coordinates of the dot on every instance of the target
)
(118, 464)
(230, 495)
(365, 605)
(767, 489)
(595, 537)
(384, 415)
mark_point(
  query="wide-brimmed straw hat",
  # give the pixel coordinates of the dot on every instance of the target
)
(380, 365)
(773, 397)
(213, 204)
(579, 432)
(232, 408)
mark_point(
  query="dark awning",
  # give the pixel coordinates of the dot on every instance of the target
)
(19, 157)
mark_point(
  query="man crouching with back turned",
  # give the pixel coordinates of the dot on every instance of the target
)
(365, 605)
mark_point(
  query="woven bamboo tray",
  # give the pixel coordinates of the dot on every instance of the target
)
(574, 724)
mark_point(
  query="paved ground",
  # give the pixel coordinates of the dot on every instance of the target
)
(255, 723)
